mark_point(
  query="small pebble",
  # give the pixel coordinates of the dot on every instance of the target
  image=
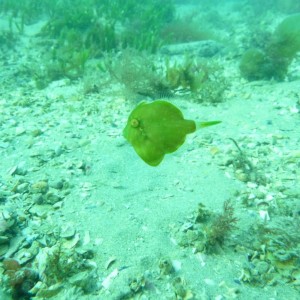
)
(22, 188)
(40, 187)
(58, 185)
(262, 267)
(67, 231)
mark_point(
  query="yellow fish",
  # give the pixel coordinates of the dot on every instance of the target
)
(157, 128)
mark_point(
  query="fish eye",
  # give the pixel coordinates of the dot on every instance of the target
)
(134, 123)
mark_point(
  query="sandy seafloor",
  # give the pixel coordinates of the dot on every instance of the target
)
(126, 211)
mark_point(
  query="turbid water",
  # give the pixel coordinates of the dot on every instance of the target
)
(82, 216)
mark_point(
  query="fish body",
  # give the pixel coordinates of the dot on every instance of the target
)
(158, 128)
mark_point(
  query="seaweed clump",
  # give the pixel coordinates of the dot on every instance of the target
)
(76, 31)
(139, 74)
(274, 256)
(274, 61)
(220, 227)
(203, 81)
(103, 26)
(18, 280)
(244, 169)
(208, 231)
(255, 65)
(285, 45)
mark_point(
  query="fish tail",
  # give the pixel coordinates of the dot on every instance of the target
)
(206, 124)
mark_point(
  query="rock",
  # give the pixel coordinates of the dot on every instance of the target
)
(52, 198)
(15, 244)
(262, 267)
(24, 255)
(3, 249)
(67, 231)
(293, 192)
(84, 280)
(18, 170)
(40, 210)
(50, 291)
(206, 48)
(3, 239)
(38, 199)
(40, 187)
(22, 188)
(58, 185)
(71, 243)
